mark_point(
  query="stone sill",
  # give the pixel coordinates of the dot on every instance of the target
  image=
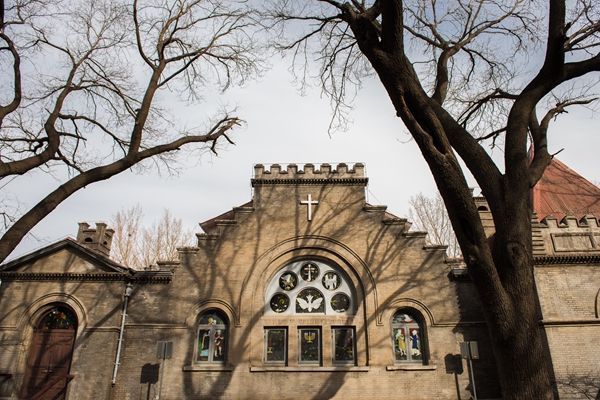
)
(208, 368)
(411, 367)
(309, 369)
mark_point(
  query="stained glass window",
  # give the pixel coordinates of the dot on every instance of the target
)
(58, 318)
(406, 336)
(212, 338)
(309, 345)
(310, 286)
(275, 345)
(310, 301)
(309, 272)
(343, 345)
(288, 281)
(280, 302)
(331, 280)
(340, 303)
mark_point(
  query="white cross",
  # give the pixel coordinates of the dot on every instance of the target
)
(309, 203)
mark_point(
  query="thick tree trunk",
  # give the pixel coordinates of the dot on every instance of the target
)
(514, 324)
(501, 267)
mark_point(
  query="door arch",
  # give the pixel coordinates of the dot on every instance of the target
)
(50, 353)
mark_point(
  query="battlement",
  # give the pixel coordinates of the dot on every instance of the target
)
(309, 171)
(588, 221)
(571, 235)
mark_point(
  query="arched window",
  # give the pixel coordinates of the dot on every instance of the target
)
(407, 338)
(58, 318)
(310, 287)
(212, 338)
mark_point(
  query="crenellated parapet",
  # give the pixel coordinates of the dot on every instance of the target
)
(570, 236)
(570, 222)
(551, 238)
(309, 174)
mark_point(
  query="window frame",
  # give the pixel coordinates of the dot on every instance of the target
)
(408, 338)
(334, 361)
(212, 329)
(266, 345)
(301, 330)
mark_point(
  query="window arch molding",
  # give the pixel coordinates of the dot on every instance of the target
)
(409, 331)
(42, 305)
(422, 311)
(211, 304)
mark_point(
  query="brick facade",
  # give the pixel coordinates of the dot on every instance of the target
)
(386, 269)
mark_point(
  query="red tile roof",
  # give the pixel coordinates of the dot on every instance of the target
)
(562, 191)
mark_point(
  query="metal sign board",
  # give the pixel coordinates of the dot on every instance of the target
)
(164, 350)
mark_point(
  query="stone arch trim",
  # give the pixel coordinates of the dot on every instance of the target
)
(408, 303)
(299, 247)
(208, 304)
(39, 306)
(597, 304)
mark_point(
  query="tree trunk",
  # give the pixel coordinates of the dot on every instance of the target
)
(514, 324)
(502, 266)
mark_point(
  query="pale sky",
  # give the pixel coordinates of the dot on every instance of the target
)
(284, 127)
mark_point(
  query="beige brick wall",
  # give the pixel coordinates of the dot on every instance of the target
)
(389, 269)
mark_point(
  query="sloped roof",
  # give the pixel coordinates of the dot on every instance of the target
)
(562, 191)
(62, 244)
(107, 268)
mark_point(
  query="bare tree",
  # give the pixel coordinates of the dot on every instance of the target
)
(461, 74)
(429, 214)
(80, 86)
(138, 247)
(161, 240)
(127, 225)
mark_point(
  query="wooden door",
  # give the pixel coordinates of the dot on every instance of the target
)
(49, 356)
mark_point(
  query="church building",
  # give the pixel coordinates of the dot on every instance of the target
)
(305, 292)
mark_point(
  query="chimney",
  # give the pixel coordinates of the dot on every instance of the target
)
(98, 239)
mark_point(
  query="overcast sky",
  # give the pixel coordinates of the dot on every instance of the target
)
(284, 127)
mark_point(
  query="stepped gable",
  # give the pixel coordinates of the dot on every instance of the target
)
(210, 225)
(563, 192)
(309, 174)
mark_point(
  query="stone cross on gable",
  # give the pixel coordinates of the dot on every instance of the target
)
(309, 202)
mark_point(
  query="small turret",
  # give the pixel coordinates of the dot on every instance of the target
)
(98, 239)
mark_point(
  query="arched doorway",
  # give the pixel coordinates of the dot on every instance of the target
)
(50, 354)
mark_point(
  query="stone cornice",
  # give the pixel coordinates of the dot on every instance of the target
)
(152, 276)
(68, 276)
(572, 259)
(140, 277)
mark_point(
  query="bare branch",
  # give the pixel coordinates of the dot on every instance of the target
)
(84, 109)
